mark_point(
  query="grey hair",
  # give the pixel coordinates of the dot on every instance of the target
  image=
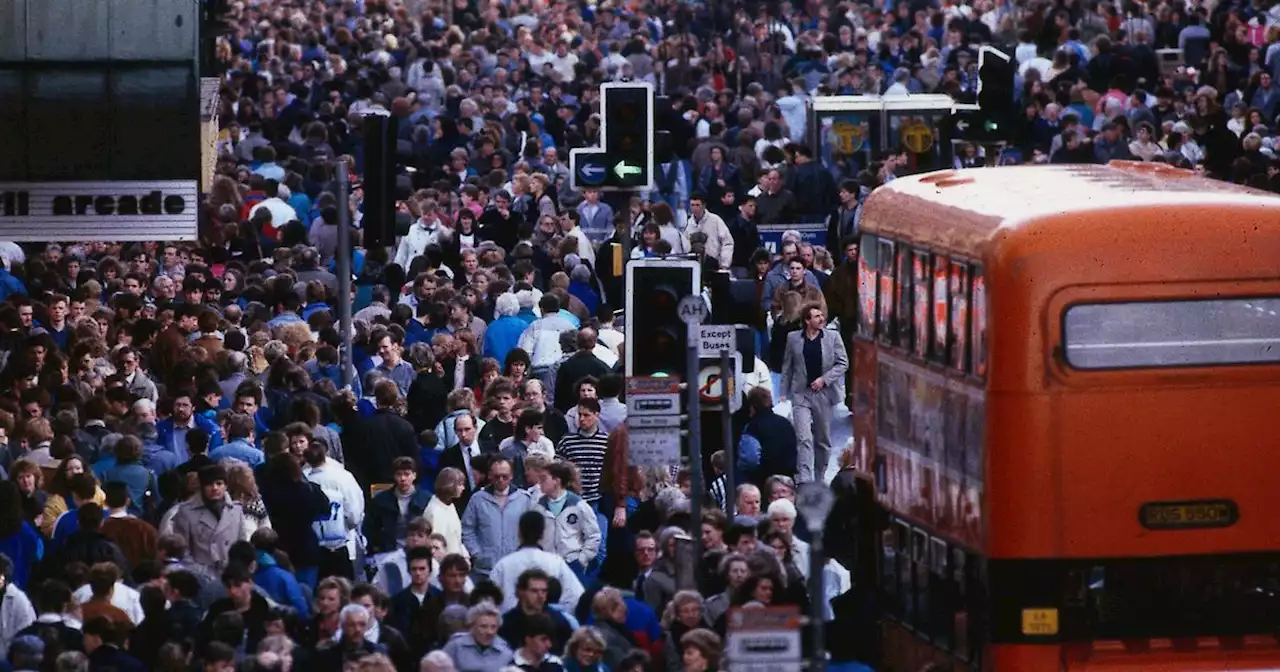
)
(436, 661)
(507, 305)
(670, 500)
(580, 273)
(525, 298)
(354, 610)
(453, 618)
(666, 535)
(237, 362)
(275, 350)
(482, 609)
(72, 661)
(421, 356)
(144, 404)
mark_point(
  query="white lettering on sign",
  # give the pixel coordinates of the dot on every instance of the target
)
(152, 210)
(712, 338)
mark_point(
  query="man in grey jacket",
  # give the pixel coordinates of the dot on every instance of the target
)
(491, 523)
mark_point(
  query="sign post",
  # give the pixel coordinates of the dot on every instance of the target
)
(766, 639)
(653, 421)
(726, 429)
(693, 311)
(814, 501)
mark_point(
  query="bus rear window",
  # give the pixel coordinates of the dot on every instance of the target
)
(1172, 333)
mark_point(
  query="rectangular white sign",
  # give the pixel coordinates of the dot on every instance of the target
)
(84, 211)
(653, 447)
(712, 338)
(666, 403)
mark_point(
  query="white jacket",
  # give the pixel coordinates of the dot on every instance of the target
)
(719, 239)
(574, 534)
(17, 613)
(414, 243)
(346, 506)
(541, 340)
(446, 522)
(508, 570)
(123, 597)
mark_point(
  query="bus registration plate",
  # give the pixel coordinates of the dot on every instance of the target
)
(1189, 514)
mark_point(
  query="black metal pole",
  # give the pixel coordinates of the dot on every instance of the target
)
(726, 426)
(343, 267)
(695, 440)
(817, 598)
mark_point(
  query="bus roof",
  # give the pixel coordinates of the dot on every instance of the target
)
(960, 211)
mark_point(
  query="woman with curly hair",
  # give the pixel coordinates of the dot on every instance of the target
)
(29, 478)
(244, 489)
(59, 490)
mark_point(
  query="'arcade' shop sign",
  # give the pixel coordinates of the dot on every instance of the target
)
(82, 211)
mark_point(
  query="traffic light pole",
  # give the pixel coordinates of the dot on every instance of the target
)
(726, 427)
(343, 267)
(695, 442)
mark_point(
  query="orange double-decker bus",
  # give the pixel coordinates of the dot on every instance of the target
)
(1065, 379)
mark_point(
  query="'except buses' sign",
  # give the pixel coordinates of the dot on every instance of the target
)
(82, 211)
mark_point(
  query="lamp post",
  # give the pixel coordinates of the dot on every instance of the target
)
(814, 501)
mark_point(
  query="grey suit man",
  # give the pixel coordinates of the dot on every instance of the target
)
(814, 365)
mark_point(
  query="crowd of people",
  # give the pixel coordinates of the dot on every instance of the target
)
(193, 477)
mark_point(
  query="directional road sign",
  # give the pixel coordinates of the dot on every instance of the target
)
(624, 160)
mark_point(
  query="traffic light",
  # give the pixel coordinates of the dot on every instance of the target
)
(624, 159)
(379, 181)
(657, 340)
(996, 72)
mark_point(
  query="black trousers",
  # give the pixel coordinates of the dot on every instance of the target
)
(336, 562)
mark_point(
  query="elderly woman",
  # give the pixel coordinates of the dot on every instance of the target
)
(684, 614)
(700, 651)
(610, 612)
(782, 513)
(585, 651)
(480, 649)
(734, 571)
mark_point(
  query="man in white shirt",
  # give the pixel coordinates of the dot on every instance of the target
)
(507, 571)
(337, 534)
(719, 238)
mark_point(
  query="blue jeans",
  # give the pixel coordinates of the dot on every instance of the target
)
(308, 575)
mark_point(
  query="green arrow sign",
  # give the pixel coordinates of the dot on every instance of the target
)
(991, 125)
(623, 169)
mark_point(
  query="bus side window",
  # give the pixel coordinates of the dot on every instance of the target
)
(868, 264)
(978, 325)
(920, 305)
(941, 593)
(939, 349)
(903, 296)
(960, 616)
(920, 569)
(959, 316)
(885, 327)
(891, 555)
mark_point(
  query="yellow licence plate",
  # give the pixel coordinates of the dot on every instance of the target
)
(1188, 515)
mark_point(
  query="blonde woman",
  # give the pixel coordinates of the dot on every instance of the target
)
(243, 488)
(441, 512)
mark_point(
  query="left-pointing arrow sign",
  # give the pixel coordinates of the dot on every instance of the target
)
(623, 169)
(593, 171)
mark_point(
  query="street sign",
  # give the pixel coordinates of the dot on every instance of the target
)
(653, 421)
(764, 639)
(624, 160)
(814, 501)
(711, 386)
(712, 338)
(650, 396)
(653, 447)
(693, 310)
